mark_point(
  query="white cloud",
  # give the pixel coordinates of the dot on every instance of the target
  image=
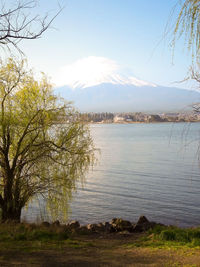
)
(86, 72)
(92, 71)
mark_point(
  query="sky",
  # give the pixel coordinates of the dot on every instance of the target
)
(129, 33)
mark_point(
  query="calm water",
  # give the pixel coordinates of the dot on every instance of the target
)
(149, 169)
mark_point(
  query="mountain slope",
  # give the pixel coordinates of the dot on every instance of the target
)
(128, 98)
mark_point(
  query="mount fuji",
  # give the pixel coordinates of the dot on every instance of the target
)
(109, 97)
(97, 84)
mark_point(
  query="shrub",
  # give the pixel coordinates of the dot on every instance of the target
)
(168, 235)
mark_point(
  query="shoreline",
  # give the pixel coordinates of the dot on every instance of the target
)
(143, 122)
(114, 250)
(114, 225)
(72, 245)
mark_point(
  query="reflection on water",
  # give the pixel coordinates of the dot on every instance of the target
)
(149, 169)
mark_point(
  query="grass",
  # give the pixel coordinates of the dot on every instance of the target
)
(34, 246)
(31, 232)
(44, 246)
(32, 237)
(159, 236)
(169, 237)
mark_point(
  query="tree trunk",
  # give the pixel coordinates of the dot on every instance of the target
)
(11, 214)
(11, 208)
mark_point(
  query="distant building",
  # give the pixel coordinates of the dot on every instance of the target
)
(118, 119)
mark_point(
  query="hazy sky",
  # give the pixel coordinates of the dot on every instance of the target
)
(127, 32)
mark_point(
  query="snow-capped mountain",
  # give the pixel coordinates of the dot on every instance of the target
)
(93, 71)
(97, 84)
(112, 79)
(110, 97)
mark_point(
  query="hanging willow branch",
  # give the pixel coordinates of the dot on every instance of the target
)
(188, 25)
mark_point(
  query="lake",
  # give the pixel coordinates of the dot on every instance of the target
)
(149, 169)
(143, 169)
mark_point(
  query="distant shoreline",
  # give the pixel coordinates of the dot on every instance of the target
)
(138, 117)
(143, 122)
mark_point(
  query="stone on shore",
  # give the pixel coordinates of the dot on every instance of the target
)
(96, 227)
(120, 225)
(108, 227)
(116, 225)
(143, 224)
(73, 225)
(56, 223)
(83, 230)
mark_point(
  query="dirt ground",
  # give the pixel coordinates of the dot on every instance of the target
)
(112, 250)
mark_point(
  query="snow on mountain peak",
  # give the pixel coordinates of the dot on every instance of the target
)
(93, 71)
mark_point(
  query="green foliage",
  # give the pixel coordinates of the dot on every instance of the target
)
(44, 147)
(157, 229)
(189, 236)
(167, 235)
(187, 24)
(23, 232)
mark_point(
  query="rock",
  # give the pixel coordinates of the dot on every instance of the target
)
(103, 227)
(108, 227)
(100, 227)
(114, 220)
(142, 220)
(56, 223)
(93, 227)
(73, 225)
(83, 230)
(45, 224)
(143, 224)
(64, 228)
(124, 233)
(119, 225)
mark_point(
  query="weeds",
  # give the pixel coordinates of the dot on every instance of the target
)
(26, 232)
(169, 237)
(172, 233)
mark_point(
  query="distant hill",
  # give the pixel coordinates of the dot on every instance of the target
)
(129, 98)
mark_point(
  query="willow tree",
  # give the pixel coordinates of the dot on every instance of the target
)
(44, 146)
(188, 26)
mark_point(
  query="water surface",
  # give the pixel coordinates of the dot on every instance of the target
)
(149, 169)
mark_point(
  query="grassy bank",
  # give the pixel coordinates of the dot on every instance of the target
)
(34, 245)
(165, 235)
(169, 237)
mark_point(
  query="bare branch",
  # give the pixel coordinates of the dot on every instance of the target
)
(17, 25)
